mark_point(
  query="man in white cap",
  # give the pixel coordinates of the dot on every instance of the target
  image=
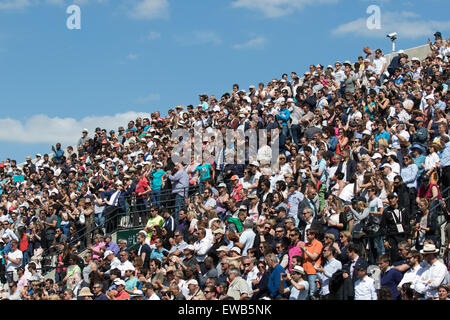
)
(131, 282)
(119, 293)
(114, 262)
(298, 287)
(194, 291)
(387, 171)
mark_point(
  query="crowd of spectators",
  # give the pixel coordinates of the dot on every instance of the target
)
(356, 207)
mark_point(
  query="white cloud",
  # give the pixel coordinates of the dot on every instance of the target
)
(257, 42)
(14, 4)
(407, 24)
(44, 129)
(132, 56)
(277, 8)
(153, 35)
(150, 9)
(23, 4)
(148, 98)
(198, 38)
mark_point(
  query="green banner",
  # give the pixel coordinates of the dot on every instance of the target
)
(130, 236)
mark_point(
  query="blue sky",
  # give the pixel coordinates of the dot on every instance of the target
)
(137, 56)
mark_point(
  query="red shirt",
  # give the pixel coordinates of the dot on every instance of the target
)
(123, 295)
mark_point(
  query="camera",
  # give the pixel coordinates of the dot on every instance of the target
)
(392, 36)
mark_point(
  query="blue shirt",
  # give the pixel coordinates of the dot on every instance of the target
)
(409, 175)
(391, 279)
(113, 247)
(157, 179)
(445, 156)
(204, 171)
(419, 161)
(158, 254)
(274, 281)
(284, 116)
(384, 134)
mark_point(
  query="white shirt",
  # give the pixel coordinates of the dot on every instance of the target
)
(396, 140)
(247, 238)
(10, 267)
(412, 275)
(123, 266)
(433, 277)
(431, 160)
(379, 62)
(202, 246)
(365, 289)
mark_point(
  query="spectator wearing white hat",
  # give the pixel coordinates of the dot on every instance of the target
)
(131, 282)
(114, 262)
(435, 274)
(195, 293)
(298, 287)
(119, 293)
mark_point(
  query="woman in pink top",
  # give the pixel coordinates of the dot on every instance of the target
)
(95, 248)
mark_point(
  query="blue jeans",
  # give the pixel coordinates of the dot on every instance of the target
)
(312, 284)
(376, 248)
(295, 133)
(179, 202)
(156, 198)
(284, 133)
(99, 219)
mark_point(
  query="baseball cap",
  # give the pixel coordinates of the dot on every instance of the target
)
(235, 177)
(107, 253)
(243, 208)
(298, 269)
(119, 282)
(222, 185)
(392, 195)
(220, 230)
(361, 264)
(376, 156)
(189, 247)
(255, 163)
(236, 249)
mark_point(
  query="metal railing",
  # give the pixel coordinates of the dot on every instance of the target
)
(112, 223)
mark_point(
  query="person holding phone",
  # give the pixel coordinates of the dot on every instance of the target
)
(298, 287)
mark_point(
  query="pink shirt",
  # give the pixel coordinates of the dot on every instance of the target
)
(293, 251)
(97, 248)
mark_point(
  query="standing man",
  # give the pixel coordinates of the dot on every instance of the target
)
(331, 266)
(312, 251)
(180, 187)
(394, 222)
(13, 260)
